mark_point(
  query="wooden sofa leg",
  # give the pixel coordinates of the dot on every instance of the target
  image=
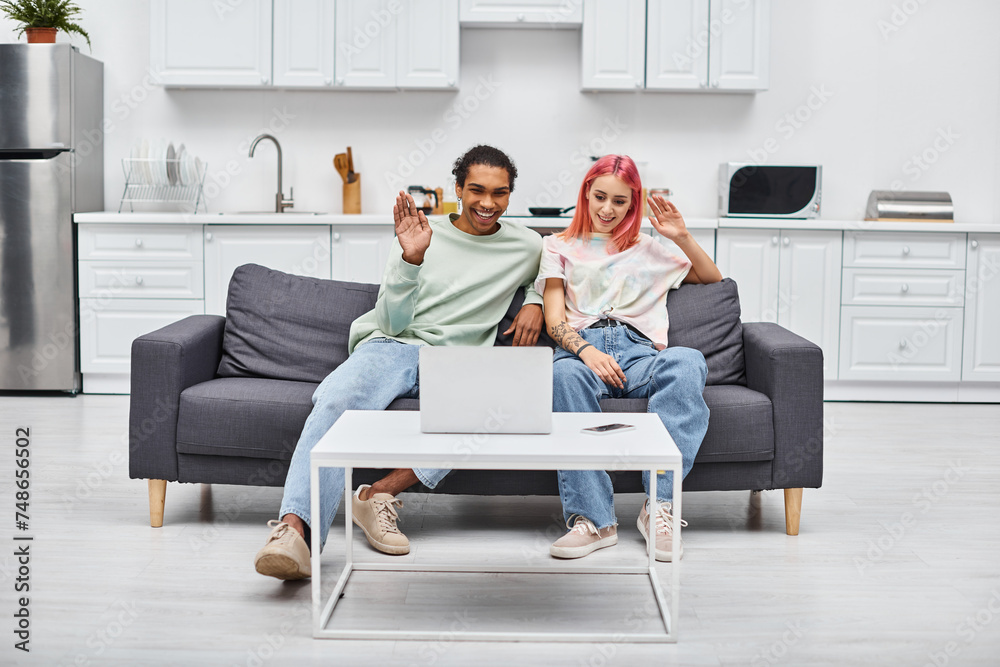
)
(157, 496)
(793, 508)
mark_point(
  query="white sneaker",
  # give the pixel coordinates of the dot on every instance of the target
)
(664, 531)
(583, 538)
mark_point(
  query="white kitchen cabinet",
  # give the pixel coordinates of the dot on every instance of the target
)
(707, 45)
(198, 43)
(521, 13)
(427, 47)
(613, 45)
(739, 45)
(388, 44)
(905, 343)
(303, 43)
(809, 277)
(981, 358)
(360, 252)
(750, 257)
(302, 250)
(791, 277)
(366, 43)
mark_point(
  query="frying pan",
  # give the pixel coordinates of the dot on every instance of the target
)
(548, 210)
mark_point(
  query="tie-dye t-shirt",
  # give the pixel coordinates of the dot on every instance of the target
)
(629, 286)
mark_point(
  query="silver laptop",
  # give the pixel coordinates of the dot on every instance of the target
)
(485, 389)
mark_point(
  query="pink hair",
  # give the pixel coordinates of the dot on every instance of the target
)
(626, 234)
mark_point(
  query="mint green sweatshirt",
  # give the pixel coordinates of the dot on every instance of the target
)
(460, 292)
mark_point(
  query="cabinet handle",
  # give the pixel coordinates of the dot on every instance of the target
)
(451, 84)
(336, 237)
(902, 344)
(328, 81)
(774, 240)
(138, 243)
(520, 17)
(340, 82)
(975, 244)
(906, 250)
(208, 236)
(638, 84)
(906, 288)
(264, 80)
(138, 280)
(786, 241)
(715, 84)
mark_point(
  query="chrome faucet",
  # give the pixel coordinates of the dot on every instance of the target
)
(280, 203)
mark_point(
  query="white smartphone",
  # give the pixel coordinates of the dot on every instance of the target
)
(605, 429)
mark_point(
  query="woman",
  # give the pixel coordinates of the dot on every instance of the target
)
(605, 290)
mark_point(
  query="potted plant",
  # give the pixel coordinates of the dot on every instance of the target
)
(41, 19)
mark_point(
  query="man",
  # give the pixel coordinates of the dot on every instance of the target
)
(453, 290)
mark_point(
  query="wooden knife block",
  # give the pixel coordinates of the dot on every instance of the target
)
(352, 196)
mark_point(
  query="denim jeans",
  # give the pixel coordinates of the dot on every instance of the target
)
(672, 380)
(378, 372)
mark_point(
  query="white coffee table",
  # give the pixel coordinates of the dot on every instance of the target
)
(392, 439)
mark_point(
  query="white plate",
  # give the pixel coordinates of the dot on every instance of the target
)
(161, 163)
(147, 175)
(182, 170)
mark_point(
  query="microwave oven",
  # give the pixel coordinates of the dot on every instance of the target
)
(749, 190)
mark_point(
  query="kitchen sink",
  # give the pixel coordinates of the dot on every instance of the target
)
(275, 213)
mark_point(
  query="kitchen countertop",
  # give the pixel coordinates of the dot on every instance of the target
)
(532, 221)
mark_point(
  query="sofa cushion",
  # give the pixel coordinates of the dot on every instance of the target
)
(245, 417)
(707, 318)
(289, 327)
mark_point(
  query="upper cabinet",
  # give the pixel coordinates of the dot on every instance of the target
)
(387, 44)
(682, 45)
(617, 63)
(521, 13)
(340, 44)
(303, 42)
(198, 43)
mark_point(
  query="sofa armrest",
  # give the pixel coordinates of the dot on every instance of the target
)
(789, 370)
(165, 363)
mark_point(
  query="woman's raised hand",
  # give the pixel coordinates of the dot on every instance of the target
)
(412, 229)
(666, 219)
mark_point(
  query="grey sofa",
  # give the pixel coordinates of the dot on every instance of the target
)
(223, 400)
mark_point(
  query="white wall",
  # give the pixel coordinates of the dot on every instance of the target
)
(891, 95)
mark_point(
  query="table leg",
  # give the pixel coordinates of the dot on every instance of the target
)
(348, 516)
(314, 503)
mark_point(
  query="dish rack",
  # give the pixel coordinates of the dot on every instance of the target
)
(144, 185)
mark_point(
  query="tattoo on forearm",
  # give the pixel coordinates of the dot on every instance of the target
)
(566, 338)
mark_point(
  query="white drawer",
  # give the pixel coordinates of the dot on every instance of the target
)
(900, 343)
(153, 279)
(925, 250)
(896, 287)
(131, 242)
(108, 327)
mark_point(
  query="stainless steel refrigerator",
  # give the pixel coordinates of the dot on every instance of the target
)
(51, 165)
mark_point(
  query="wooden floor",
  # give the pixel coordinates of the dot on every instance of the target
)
(897, 561)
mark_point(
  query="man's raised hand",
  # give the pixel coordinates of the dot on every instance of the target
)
(412, 229)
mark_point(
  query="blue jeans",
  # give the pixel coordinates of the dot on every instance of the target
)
(672, 380)
(378, 372)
